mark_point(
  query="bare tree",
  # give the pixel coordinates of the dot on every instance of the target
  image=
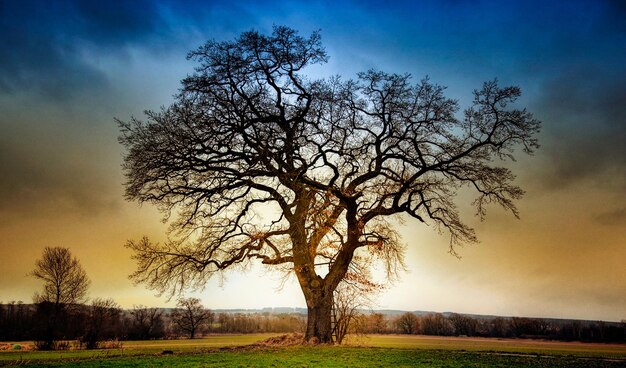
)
(349, 298)
(345, 305)
(463, 325)
(377, 323)
(65, 284)
(256, 161)
(190, 316)
(65, 280)
(407, 323)
(146, 322)
(102, 320)
(436, 324)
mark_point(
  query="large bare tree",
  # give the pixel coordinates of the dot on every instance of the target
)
(256, 161)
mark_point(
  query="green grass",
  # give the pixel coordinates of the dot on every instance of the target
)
(339, 357)
(521, 346)
(375, 351)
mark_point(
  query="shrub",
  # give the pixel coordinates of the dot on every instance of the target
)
(111, 344)
(54, 345)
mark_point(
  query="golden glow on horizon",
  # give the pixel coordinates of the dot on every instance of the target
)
(541, 265)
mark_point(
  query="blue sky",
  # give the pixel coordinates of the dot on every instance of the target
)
(69, 67)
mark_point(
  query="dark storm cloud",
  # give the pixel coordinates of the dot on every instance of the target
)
(616, 12)
(39, 180)
(573, 58)
(584, 114)
(44, 41)
(50, 78)
(55, 63)
(615, 217)
(120, 22)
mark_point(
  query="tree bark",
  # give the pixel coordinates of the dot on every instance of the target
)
(319, 307)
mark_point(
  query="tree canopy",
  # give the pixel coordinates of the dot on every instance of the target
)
(256, 161)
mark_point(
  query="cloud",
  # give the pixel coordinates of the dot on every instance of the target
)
(53, 75)
(45, 42)
(614, 217)
(585, 123)
(118, 23)
(46, 179)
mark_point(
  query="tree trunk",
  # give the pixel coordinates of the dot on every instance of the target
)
(319, 306)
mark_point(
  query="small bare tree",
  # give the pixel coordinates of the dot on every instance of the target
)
(102, 317)
(190, 316)
(407, 323)
(353, 294)
(146, 322)
(377, 323)
(463, 325)
(436, 324)
(65, 284)
(65, 280)
(346, 304)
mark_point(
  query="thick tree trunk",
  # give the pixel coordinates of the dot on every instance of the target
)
(319, 307)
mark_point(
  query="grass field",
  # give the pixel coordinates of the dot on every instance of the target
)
(522, 346)
(373, 351)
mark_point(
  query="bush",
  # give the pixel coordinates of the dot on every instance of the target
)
(111, 344)
(43, 345)
(54, 345)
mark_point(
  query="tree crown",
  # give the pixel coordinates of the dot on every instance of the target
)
(65, 279)
(262, 163)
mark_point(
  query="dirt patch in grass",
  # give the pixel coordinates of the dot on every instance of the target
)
(282, 340)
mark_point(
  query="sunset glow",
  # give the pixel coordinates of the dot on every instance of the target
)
(72, 67)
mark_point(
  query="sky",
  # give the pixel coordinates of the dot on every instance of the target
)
(69, 67)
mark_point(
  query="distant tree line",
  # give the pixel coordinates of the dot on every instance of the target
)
(97, 324)
(504, 327)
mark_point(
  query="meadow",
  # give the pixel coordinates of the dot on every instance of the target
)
(370, 351)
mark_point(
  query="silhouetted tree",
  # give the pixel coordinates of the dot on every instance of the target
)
(65, 285)
(16, 321)
(499, 327)
(146, 323)
(463, 325)
(190, 316)
(407, 323)
(436, 324)
(65, 280)
(102, 321)
(325, 161)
